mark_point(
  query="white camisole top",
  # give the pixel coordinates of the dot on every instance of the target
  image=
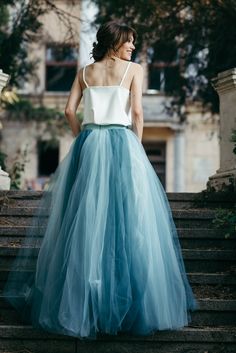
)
(107, 104)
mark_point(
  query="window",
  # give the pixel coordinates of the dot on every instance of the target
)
(48, 157)
(61, 67)
(156, 152)
(163, 78)
(163, 68)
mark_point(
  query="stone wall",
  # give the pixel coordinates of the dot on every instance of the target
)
(192, 154)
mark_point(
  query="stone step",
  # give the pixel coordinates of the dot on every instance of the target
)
(181, 200)
(201, 213)
(20, 338)
(191, 265)
(212, 312)
(201, 233)
(190, 238)
(210, 264)
(196, 260)
(195, 278)
(195, 254)
(177, 200)
(182, 219)
(17, 231)
(207, 239)
(224, 278)
(205, 304)
(214, 290)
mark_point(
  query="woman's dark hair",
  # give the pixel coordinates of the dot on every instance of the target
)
(109, 36)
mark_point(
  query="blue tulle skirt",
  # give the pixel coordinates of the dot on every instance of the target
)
(110, 259)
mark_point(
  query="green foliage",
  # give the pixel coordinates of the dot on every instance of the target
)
(18, 169)
(20, 25)
(203, 32)
(23, 110)
(233, 139)
(226, 219)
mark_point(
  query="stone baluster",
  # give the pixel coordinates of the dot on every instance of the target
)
(225, 85)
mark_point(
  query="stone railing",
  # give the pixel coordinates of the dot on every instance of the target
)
(225, 85)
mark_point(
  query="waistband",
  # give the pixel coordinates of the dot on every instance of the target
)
(104, 126)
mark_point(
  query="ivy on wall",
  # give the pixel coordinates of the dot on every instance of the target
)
(233, 139)
(23, 110)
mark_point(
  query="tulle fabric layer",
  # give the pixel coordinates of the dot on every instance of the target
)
(110, 259)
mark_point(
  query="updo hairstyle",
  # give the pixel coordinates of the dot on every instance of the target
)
(111, 36)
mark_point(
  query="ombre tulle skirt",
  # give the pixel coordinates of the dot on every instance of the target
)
(108, 258)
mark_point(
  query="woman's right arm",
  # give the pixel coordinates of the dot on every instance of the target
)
(136, 101)
(72, 105)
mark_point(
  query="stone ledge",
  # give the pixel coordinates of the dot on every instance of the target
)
(176, 196)
(196, 254)
(191, 233)
(205, 334)
(30, 211)
(206, 304)
(224, 278)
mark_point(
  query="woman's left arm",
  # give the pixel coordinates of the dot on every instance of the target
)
(72, 105)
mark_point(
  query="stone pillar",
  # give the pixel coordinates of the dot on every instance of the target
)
(179, 162)
(4, 178)
(225, 85)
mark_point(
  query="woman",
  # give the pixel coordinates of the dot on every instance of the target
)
(110, 260)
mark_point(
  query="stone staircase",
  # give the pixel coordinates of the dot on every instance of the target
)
(210, 261)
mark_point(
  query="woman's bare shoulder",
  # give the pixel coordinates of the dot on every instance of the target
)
(84, 70)
(137, 67)
(80, 76)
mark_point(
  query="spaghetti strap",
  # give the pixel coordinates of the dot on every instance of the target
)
(125, 73)
(84, 76)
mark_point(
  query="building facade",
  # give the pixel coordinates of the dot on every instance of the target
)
(183, 154)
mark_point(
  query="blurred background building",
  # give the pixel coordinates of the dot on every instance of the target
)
(183, 153)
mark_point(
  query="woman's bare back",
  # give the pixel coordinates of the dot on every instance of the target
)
(108, 73)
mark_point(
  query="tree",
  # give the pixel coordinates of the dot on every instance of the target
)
(203, 33)
(20, 25)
